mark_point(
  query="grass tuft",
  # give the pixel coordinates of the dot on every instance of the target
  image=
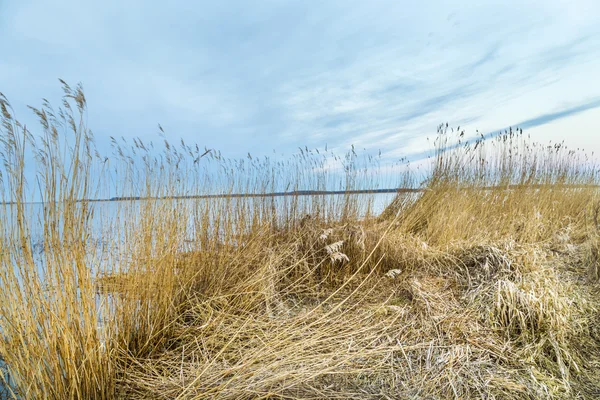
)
(482, 282)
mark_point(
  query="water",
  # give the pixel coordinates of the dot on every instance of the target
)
(107, 241)
(109, 217)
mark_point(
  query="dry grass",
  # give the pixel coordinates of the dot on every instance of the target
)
(457, 292)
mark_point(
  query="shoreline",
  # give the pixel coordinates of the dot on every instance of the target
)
(317, 193)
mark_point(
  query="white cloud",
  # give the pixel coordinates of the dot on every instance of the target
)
(378, 74)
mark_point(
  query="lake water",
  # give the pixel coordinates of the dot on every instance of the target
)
(107, 232)
(109, 217)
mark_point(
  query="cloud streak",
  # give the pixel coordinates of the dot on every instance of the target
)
(554, 116)
(538, 121)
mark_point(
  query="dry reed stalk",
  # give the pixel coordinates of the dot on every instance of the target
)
(456, 292)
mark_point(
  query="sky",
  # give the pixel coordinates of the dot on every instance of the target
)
(256, 76)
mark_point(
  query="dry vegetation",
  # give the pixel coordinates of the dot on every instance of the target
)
(455, 293)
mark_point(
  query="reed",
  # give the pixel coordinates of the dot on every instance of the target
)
(483, 283)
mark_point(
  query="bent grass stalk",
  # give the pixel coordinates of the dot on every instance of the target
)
(483, 284)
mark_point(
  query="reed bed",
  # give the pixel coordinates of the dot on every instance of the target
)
(484, 284)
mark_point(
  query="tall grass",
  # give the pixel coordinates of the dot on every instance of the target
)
(481, 285)
(47, 306)
(533, 191)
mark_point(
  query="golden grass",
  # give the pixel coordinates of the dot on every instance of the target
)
(485, 285)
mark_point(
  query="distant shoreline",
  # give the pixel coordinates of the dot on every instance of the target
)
(272, 194)
(312, 193)
(246, 195)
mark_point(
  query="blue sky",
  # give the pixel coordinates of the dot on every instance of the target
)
(258, 76)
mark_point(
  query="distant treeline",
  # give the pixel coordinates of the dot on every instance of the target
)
(272, 194)
(341, 192)
(326, 192)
